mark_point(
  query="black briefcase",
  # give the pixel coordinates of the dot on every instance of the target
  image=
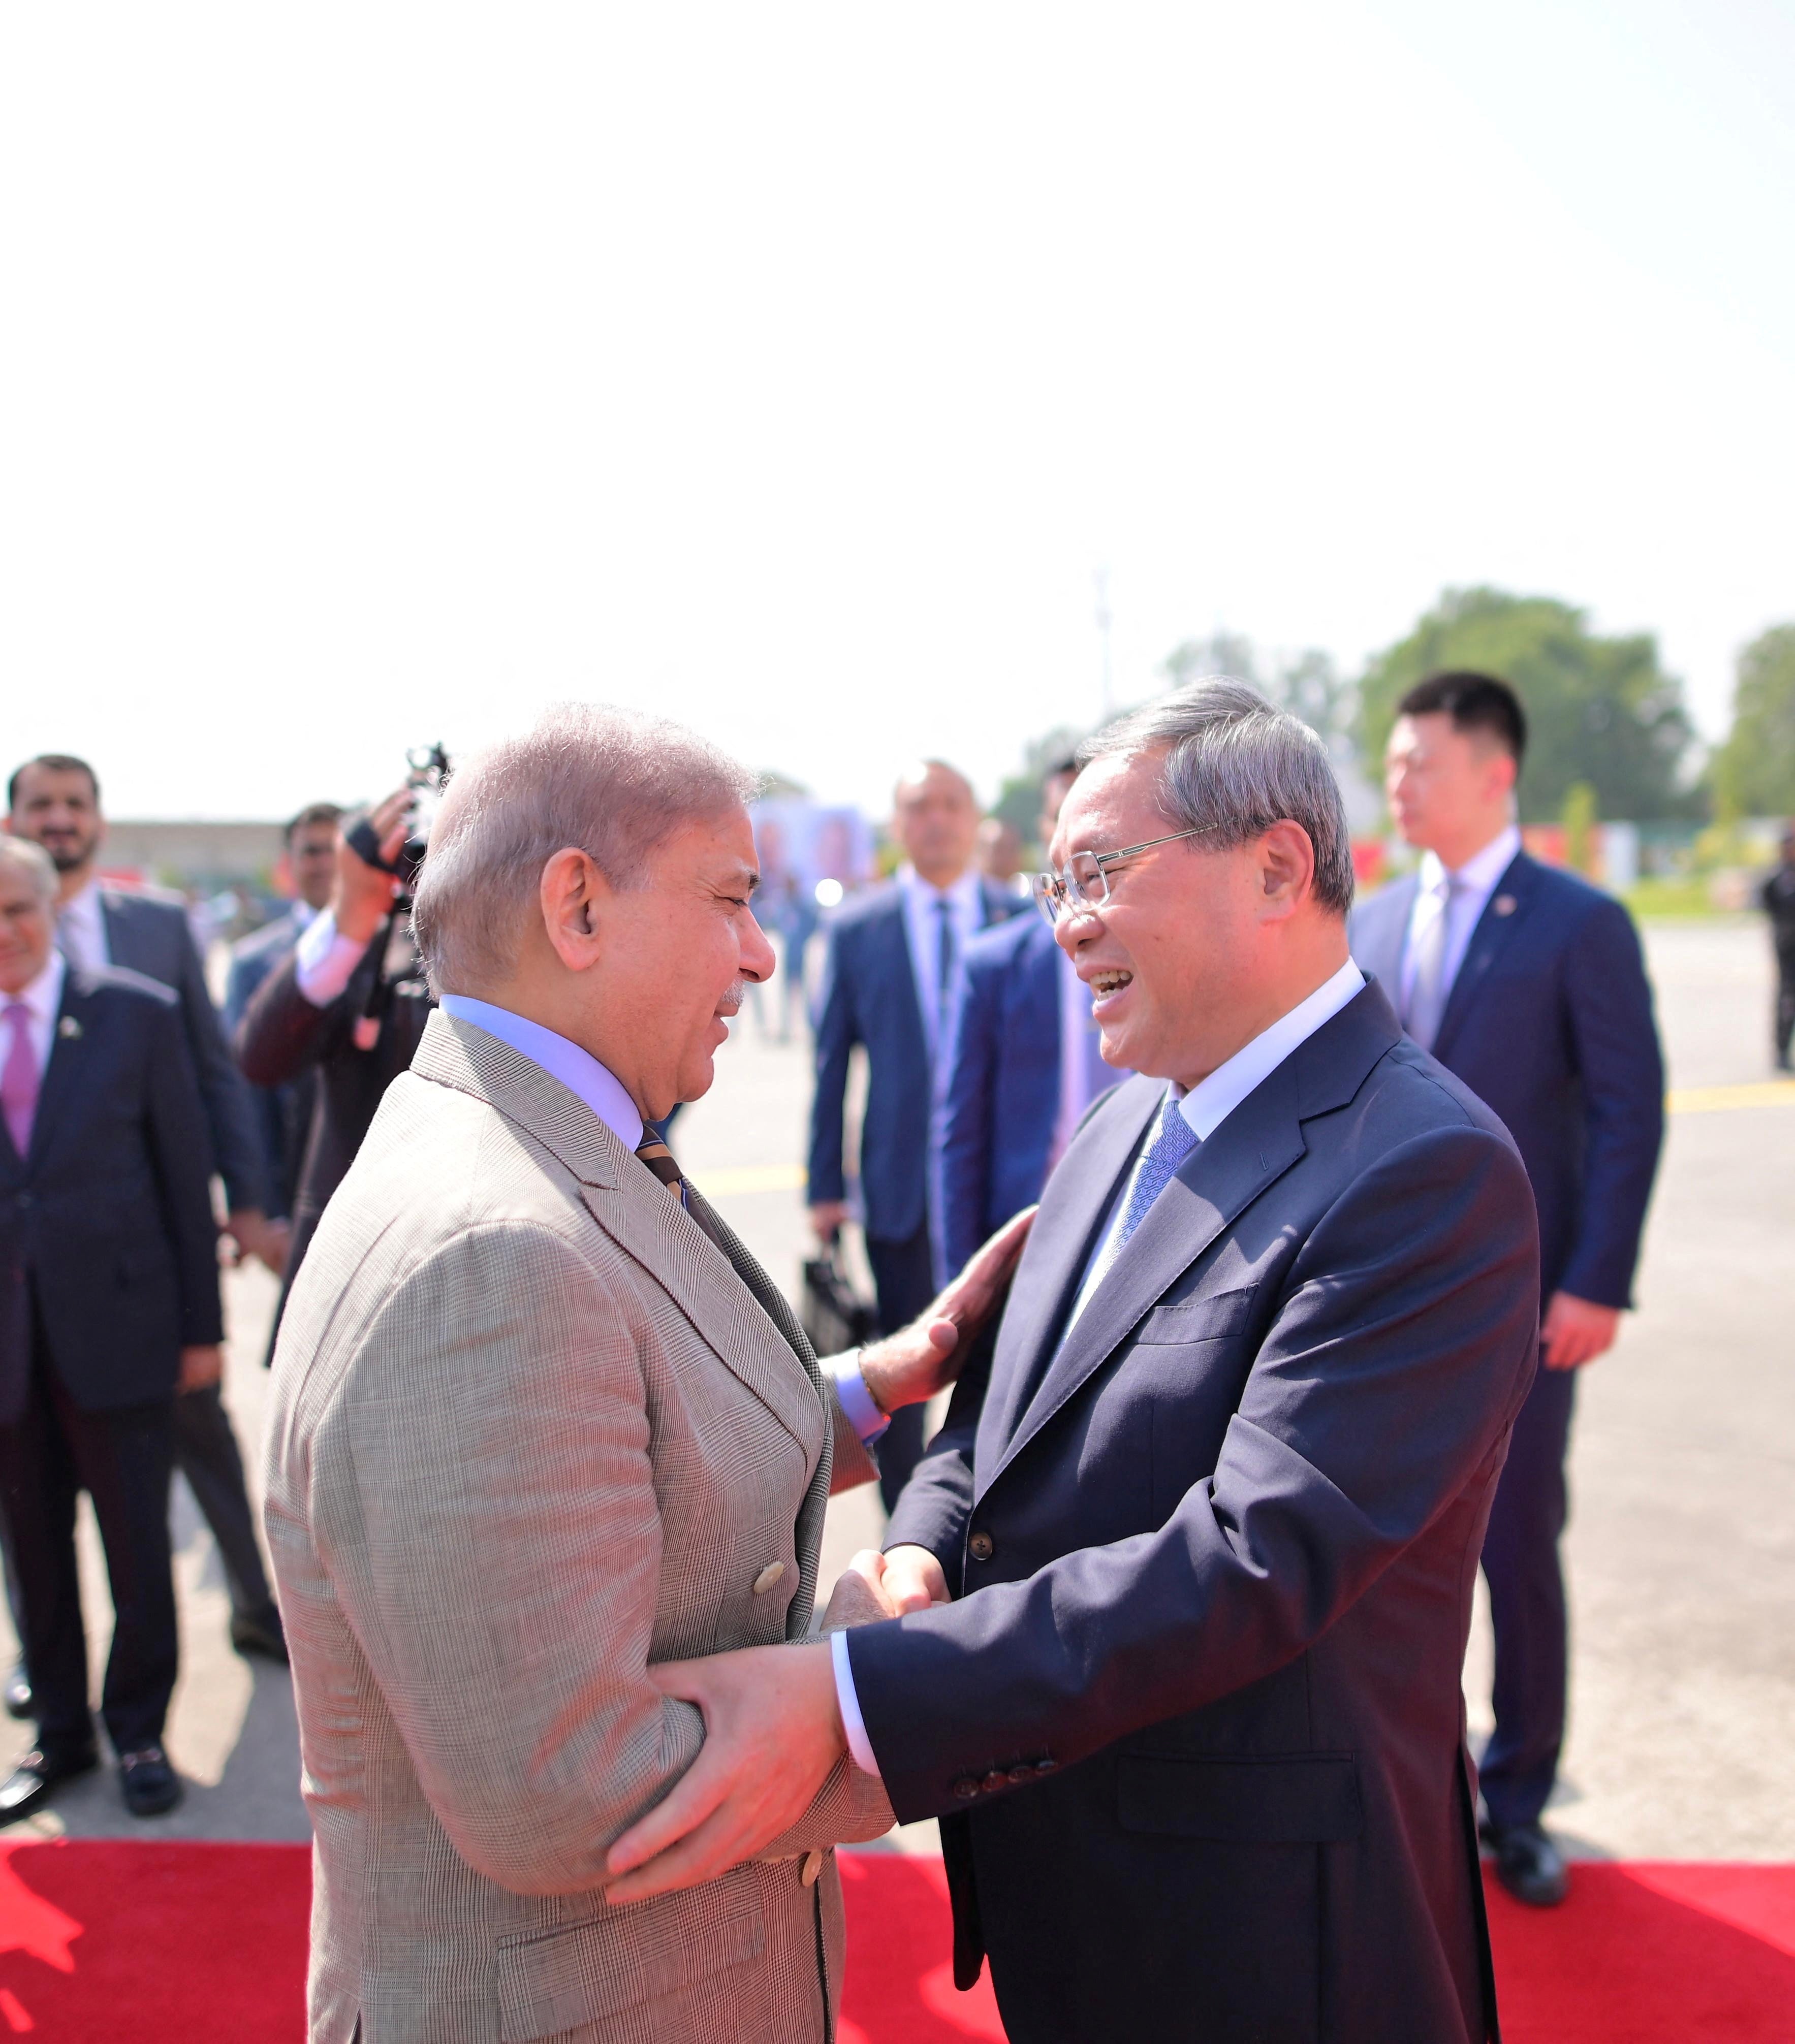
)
(835, 1316)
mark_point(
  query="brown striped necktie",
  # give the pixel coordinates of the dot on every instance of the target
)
(659, 1159)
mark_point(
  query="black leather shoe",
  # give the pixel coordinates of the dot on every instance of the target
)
(150, 1785)
(262, 1634)
(17, 1694)
(1528, 1863)
(28, 1787)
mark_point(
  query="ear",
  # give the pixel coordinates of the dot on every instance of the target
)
(1505, 771)
(575, 899)
(1286, 866)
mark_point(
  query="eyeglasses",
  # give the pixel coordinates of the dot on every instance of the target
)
(1083, 887)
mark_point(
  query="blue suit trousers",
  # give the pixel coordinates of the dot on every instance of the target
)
(1521, 1564)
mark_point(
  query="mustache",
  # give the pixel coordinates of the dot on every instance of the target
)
(731, 1004)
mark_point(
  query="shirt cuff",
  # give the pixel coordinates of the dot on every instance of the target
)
(324, 961)
(859, 1744)
(857, 1403)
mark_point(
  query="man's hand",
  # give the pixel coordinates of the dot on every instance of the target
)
(909, 1579)
(913, 1364)
(828, 1218)
(772, 1734)
(362, 896)
(1576, 1331)
(255, 1235)
(858, 1597)
(200, 1366)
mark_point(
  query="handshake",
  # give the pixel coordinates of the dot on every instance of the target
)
(874, 1586)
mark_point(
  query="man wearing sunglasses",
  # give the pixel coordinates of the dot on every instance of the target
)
(1184, 1603)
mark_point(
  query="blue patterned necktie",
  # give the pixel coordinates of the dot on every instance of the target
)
(1175, 1142)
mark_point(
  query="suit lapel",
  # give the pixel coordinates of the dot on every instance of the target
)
(71, 1051)
(808, 1533)
(1503, 912)
(1258, 1142)
(633, 1208)
(1076, 1204)
(1381, 930)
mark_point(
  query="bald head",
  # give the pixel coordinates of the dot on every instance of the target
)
(935, 818)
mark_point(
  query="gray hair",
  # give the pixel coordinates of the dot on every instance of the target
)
(1235, 765)
(33, 862)
(609, 782)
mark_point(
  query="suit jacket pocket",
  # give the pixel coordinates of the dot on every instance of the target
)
(577, 1973)
(1299, 1799)
(1210, 1319)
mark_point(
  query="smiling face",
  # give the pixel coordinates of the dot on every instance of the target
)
(1199, 948)
(57, 808)
(674, 961)
(27, 930)
(1170, 957)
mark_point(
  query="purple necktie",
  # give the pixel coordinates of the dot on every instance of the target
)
(18, 1080)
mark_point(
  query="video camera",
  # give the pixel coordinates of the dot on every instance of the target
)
(428, 777)
(429, 771)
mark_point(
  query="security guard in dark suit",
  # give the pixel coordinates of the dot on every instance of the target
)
(1778, 899)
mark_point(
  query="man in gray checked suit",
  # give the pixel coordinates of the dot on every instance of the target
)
(539, 1421)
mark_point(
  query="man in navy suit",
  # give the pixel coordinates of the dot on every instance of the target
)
(889, 982)
(1028, 1063)
(1528, 983)
(284, 1112)
(108, 1305)
(55, 801)
(1184, 1600)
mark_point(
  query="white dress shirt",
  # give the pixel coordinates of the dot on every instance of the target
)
(325, 960)
(42, 1000)
(1205, 1107)
(1473, 883)
(81, 930)
(922, 929)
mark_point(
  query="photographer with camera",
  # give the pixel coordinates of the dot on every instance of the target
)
(350, 1003)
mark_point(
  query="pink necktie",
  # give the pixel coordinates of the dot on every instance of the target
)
(18, 1080)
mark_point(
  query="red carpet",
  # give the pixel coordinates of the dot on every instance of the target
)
(122, 1943)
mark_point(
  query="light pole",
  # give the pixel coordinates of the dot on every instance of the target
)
(1101, 578)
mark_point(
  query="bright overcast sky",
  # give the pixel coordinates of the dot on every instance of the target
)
(373, 374)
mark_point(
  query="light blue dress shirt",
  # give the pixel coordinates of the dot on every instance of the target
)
(577, 1071)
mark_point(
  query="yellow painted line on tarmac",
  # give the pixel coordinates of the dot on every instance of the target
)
(750, 1178)
(1716, 1100)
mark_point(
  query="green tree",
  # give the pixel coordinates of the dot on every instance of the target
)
(1598, 709)
(1754, 770)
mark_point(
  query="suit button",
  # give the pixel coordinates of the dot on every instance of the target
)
(813, 1867)
(25, 1201)
(995, 1780)
(966, 1787)
(1045, 1766)
(768, 1576)
(1023, 1772)
(980, 1546)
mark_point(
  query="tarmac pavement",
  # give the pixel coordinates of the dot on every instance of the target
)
(1681, 1547)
